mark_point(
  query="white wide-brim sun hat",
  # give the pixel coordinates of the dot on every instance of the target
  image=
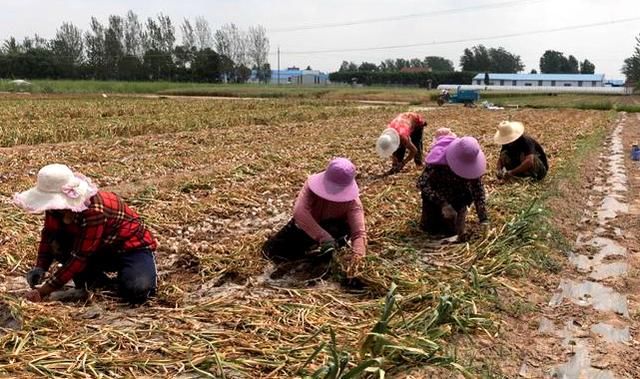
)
(387, 143)
(508, 131)
(57, 188)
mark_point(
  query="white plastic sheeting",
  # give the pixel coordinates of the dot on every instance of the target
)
(540, 89)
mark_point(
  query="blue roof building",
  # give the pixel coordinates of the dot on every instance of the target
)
(540, 80)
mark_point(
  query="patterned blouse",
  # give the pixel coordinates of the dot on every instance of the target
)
(440, 185)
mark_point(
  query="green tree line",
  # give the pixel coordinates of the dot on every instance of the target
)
(128, 48)
(432, 63)
(422, 79)
(554, 62)
(631, 67)
(476, 59)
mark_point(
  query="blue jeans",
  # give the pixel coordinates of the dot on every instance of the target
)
(137, 275)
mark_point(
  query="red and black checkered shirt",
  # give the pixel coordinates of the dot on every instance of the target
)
(107, 225)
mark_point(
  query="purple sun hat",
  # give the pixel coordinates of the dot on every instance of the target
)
(438, 150)
(337, 183)
(466, 159)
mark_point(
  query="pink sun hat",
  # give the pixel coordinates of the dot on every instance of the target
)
(337, 183)
(438, 149)
(466, 159)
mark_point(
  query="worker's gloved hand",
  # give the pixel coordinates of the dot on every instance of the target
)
(35, 276)
(485, 228)
(328, 247)
(448, 212)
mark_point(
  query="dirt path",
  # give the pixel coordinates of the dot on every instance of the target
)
(589, 323)
(189, 97)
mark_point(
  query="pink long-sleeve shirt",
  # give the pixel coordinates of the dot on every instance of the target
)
(310, 209)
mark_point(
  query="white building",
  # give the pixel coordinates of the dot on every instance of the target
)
(294, 76)
(310, 77)
(541, 80)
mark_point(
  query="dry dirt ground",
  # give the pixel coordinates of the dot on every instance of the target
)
(564, 337)
(214, 179)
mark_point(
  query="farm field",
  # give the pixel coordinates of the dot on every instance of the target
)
(214, 178)
(337, 92)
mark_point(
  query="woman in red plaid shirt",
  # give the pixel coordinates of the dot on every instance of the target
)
(90, 233)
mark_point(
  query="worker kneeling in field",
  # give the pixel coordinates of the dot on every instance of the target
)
(403, 133)
(327, 213)
(90, 233)
(521, 155)
(450, 182)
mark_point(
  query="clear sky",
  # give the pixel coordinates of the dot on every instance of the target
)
(375, 23)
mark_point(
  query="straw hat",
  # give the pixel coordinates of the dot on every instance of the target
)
(387, 143)
(508, 131)
(337, 183)
(466, 159)
(57, 188)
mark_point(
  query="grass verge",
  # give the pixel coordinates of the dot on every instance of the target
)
(584, 102)
(97, 86)
(331, 92)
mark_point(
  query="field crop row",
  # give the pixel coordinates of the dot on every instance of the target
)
(214, 179)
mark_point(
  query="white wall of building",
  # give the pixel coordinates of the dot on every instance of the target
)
(537, 83)
(303, 77)
(310, 79)
(539, 89)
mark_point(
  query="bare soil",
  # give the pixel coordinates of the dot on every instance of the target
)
(532, 337)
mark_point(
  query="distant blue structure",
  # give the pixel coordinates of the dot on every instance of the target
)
(541, 80)
(614, 83)
(294, 76)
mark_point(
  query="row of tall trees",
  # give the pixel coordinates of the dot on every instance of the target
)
(554, 62)
(394, 65)
(479, 59)
(631, 67)
(475, 59)
(128, 48)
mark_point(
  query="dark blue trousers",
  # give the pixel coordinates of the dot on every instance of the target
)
(291, 242)
(416, 139)
(137, 276)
